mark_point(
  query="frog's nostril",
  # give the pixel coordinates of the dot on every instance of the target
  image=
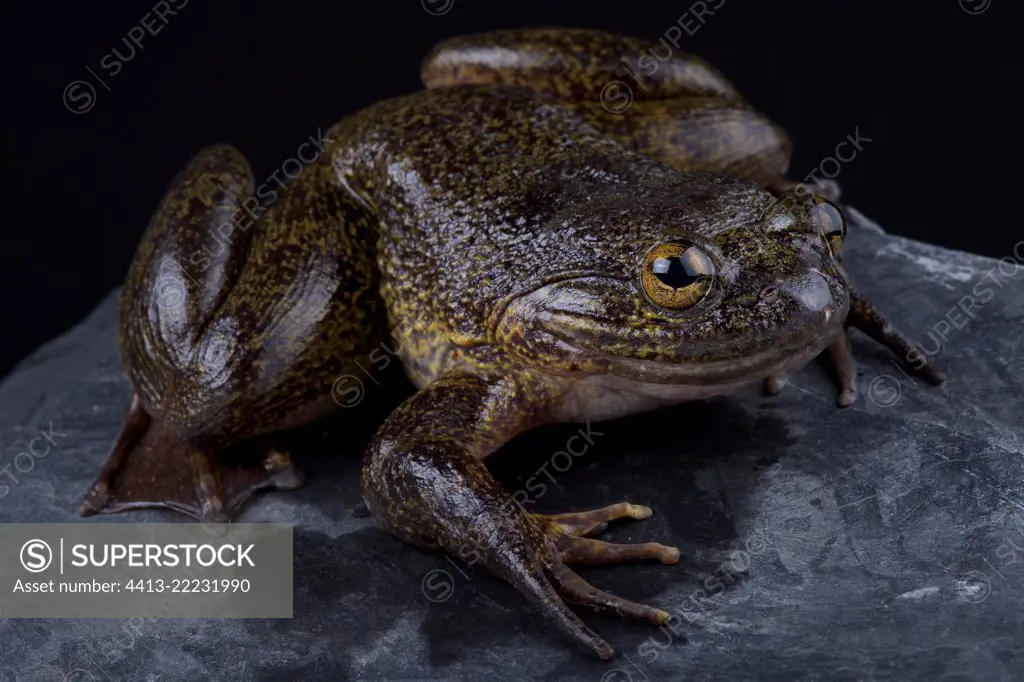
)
(769, 295)
(811, 292)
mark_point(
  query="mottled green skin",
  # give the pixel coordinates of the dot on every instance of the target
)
(496, 223)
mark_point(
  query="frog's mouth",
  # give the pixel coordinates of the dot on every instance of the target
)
(591, 324)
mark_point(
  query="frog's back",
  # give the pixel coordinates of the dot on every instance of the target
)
(462, 179)
(483, 193)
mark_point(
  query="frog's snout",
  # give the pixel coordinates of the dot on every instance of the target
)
(811, 294)
(810, 291)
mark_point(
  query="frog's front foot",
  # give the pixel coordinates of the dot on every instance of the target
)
(424, 480)
(865, 316)
(149, 467)
(566, 541)
(843, 365)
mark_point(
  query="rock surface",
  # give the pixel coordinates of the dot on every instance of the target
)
(882, 541)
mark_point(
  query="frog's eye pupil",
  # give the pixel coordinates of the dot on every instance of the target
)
(678, 277)
(674, 272)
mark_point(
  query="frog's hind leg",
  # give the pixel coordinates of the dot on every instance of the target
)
(151, 467)
(683, 112)
(193, 250)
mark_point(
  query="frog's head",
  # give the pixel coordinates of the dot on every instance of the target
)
(710, 289)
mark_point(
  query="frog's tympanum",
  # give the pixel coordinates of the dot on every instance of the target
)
(538, 251)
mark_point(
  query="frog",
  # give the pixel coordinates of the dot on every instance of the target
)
(531, 253)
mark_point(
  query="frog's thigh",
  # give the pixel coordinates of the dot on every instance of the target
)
(197, 236)
(302, 312)
(188, 257)
(699, 134)
(573, 63)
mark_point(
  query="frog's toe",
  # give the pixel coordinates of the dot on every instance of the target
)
(576, 590)
(569, 544)
(571, 534)
(576, 550)
(594, 521)
(847, 397)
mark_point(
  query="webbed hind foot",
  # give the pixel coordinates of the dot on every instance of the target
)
(151, 468)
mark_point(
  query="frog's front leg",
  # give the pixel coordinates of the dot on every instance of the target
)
(425, 481)
(865, 316)
(830, 223)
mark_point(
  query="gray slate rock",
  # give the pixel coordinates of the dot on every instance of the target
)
(878, 542)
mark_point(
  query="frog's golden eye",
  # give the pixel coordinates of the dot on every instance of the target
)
(830, 223)
(677, 276)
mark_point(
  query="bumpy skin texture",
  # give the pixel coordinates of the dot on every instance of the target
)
(219, 333)
(500, 221)
(681, 111)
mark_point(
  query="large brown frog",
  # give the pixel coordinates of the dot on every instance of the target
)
(539, 255)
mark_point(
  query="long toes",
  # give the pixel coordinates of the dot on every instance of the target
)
(582, 530)
(571, 624)
(597, 552)
(931, 374)
(520, 556)
(539, 590)
(578, 591)
(588, 519)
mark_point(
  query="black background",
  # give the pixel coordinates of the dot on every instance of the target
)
(933, 86)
